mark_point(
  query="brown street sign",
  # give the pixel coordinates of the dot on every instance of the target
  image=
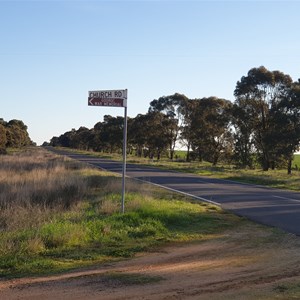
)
(106, 102)
(117, 98)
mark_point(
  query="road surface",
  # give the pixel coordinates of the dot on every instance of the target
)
(269, 206)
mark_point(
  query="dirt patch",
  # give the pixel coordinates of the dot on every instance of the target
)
(251, 263)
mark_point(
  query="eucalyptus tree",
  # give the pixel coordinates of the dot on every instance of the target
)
(175, 109)
(16, 134)
(3, 122)
(137, 134)
(286, 123)
(244, 151)
(3, 139)
(82, 138)
(257, 96)
(186, 132)
(210, 128)
(159, 133)
(111, 134)
(64, 140)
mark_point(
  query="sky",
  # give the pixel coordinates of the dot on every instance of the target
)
(53, 52)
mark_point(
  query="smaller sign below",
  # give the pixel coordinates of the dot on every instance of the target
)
(116, 102)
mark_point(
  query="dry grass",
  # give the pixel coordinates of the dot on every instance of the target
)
(33, 184)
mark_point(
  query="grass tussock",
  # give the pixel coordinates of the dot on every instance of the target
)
(57, 214)
(37, 180)
(35, 184)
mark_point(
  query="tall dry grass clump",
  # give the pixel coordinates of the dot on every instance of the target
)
(35, 182)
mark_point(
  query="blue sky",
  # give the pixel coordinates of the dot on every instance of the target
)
(53, 52)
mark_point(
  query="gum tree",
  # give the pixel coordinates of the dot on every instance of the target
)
(210, 131)
(258, 95)
(174, 108)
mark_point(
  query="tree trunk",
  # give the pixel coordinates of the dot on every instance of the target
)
(273, 165)
(171, 154)
(200, 158)
(215, 159)
(158, 155)
(188, 153)
(265, 162)
(265, 165)
(289, 170)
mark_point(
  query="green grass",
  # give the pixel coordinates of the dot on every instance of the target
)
(296, 161)
(92, 230)
(289, 290)
(92, 236)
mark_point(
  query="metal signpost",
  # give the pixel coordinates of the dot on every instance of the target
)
(114, 98)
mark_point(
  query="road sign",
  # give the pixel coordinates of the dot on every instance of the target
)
(112, 98)
(106, 94)
(116, 98)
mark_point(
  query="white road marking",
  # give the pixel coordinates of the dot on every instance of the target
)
(286, 198)
(183, 193)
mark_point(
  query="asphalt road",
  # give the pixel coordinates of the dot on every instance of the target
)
(273, 207)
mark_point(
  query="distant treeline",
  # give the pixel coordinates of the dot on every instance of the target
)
(262, 126)
(13, 134)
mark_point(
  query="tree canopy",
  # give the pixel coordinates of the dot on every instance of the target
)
(262, 125)
(266, 111)
(13, 134)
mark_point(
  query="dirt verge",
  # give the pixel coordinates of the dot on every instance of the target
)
(247, 263)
